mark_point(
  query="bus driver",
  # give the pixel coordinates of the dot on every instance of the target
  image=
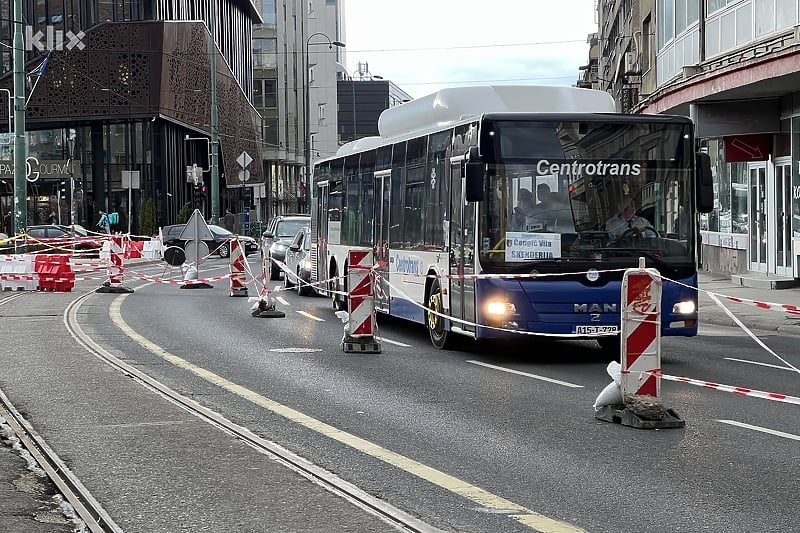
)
(627, 219)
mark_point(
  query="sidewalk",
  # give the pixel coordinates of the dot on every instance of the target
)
(754, 313)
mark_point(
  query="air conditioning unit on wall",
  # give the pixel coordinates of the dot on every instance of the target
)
(631, 65)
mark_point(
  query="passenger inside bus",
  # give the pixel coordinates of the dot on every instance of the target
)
(523, 209)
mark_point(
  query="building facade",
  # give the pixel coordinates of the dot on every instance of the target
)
(732, 65)
(361, 100)
(295, 65)
(132, 94)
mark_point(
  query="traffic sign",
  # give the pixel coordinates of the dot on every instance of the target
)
(196, 229)
(244, 175)
(244, 160)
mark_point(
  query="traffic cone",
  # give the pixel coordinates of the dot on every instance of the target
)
(237, 277)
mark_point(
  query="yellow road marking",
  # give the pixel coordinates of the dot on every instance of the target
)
(312, 317)
(474, 493)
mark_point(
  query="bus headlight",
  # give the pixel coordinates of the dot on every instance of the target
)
(686, 307)
(500, 308)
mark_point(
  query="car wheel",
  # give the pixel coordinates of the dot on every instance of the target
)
(274, 270)
(302, 287)
(224, 251)
(438, 333)
(286, 283)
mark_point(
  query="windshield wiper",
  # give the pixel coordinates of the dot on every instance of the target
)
(636, 252)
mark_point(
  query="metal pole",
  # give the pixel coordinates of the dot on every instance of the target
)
(307, 92)
(130, 195)
(71, 144)
(307, 131)
(20, 141)
(212, 47)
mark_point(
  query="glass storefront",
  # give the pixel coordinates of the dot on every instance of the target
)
(757, 206)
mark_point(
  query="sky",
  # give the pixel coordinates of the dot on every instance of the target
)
(425, 45)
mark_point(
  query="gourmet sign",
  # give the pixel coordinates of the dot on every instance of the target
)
(35, 169)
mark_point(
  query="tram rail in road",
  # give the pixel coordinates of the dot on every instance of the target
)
(86, 507)
(348, 491)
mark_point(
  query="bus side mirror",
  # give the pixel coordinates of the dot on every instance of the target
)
(473, 191)
(704, 183)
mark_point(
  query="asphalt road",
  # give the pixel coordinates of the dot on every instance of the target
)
(494, 437)
(490, 417)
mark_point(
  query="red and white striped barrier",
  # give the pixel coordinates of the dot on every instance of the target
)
(18, 273)
(237, 269)
(359, 330)
(640, 335)
(640, 355)
(116, 268)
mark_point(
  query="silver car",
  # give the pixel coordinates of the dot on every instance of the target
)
(276, 239)
(298, 263)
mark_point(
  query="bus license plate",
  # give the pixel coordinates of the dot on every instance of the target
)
(593, 330)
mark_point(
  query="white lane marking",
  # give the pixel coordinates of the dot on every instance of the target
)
(474, 493)
(396, 343)
(762, 430)
(719, 331)
(312, 317)
(527, 375)
(779, 367)
(282, 300)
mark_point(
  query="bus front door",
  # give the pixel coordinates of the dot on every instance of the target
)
(320, 259)
(462, 253)
(380, 252)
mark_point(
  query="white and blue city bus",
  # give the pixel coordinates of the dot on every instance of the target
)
(436, 199)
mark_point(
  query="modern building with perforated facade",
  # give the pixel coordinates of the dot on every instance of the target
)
(125, 86)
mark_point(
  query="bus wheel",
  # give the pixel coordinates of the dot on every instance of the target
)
(339, 301)
(609, 345)
(439, 335)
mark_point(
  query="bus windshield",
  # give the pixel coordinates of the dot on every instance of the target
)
(584, 192)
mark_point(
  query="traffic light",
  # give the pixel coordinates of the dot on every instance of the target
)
(198, 195)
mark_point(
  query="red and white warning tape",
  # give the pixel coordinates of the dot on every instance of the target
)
(729, 388)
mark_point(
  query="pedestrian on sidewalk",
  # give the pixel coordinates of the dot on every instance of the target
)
(103, 223)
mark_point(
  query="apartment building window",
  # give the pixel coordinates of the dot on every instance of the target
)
(269, 132)
(674, 17)
(646, 44)
(268, 13)
(270, 94)
(264, 52)
(321, 112)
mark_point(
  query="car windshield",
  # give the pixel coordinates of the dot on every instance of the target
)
(289, 228)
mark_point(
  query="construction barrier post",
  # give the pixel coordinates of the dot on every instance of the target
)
(359, 330)
(640, 354)
(237, 268)
(115, 267)
(265, 303)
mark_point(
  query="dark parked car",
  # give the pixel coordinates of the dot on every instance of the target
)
(276, 239)
(298, 263)
(219, 246)
(57, 239)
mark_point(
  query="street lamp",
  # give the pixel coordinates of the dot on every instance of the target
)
(307, 84)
